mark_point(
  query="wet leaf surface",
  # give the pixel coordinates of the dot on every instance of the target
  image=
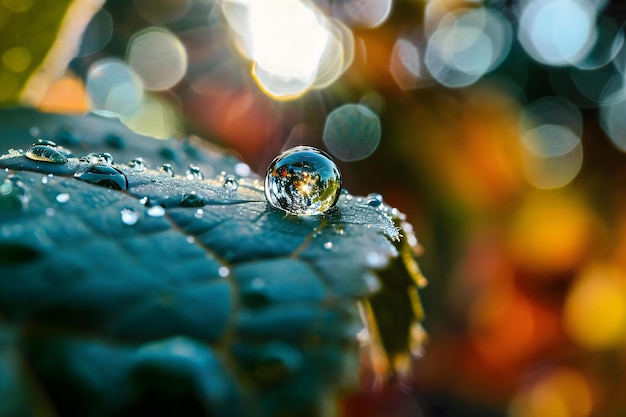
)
(173, 295)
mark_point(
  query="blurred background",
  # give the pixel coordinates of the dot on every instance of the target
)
(498, 127)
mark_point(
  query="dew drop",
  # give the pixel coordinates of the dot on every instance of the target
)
(45, 179)
(220, 177)
(198, 214)
(167, 169)
(101, 158)
(194, 173)
(374, 200)
(104, 176)
(191, 239)
(328, 245)
(137, 164)
(129, 216)
(62, 198)
(155, 211)
(223, 271)
(191, 200)
(14, 194)
(231, 183)
(46, 153)
(143, 200)
(303, 181)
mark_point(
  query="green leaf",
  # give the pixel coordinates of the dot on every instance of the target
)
(37, 40)
(216, 304)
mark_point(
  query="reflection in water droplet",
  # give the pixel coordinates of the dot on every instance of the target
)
(194, 173)
(374, 200)
(46, 153)
(231, 182)
(104, 176)
(137, 164)
(129, 216)
(155, 211)
(100, 158)
(63, 198)
(303, 180)
(167, 169)
(191, 200)
(328, 245)
(45, 142)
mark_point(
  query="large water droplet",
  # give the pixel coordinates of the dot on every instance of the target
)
(46, 153)
(104, 176)
(167, 169)
(129, 216)
(137, 164)
(303, 180)
(194, 173)
(231, 182)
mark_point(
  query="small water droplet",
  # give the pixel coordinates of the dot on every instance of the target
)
(303, 180)
(328, 245)
(231, 183)
(167, 169)
(44, 179)
(62, 198)
(191, 239)
(89, 159)
(14, 194)
(223, 271)
(129, 216)
(191, 200)
(374, 200)
(198, 214)
(46, 153)
(220, 176)
(341, 231)
(101, 158)
(143, 200)
(104, 176)
(137, 164)
(194, 173)
(155, 211)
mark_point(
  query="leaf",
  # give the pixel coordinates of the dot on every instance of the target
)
(36, 43)
(180, 296)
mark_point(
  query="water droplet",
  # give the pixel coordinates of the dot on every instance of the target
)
(129, 216)
(44, 179)
(104, 176)
(194, 173)
(49, 212)
(220, 177)
(167, 169)
(374, 200)
(155, 211)
(14, 194)
(137, 164)
(303, 180)
(143, 200)
(231, 182)
(100, 158)
(63, 198)
(46, 153)
(223, 271)
(191, 239)
(328, 245)
(191, 200)
(198, 214)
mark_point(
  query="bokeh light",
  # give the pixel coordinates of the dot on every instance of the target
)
(158, 57)
(352, 132)
(614, 123)
(114, 88)
(156, 117)
(293, 45)
(557, 32)
(364, 13)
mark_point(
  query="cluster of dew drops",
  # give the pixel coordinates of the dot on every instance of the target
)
(99, 169)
